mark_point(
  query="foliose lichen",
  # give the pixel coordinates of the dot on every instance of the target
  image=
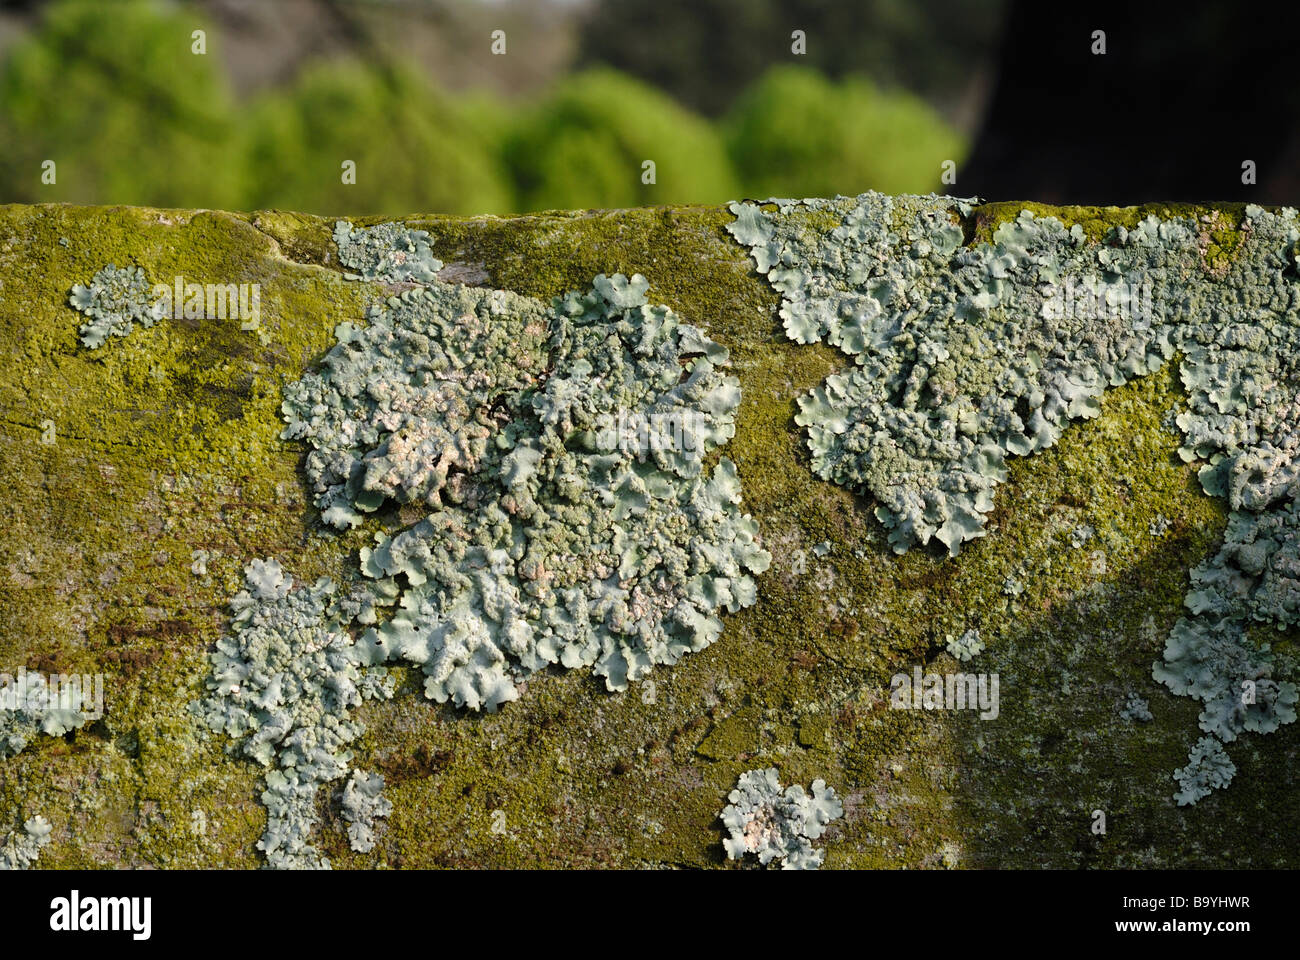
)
(1208, 768)
(1137, 709)
(405, 404)
(284, 680)
(967, 354)
(555, 535)
(773, 824)
(21, 850)
(957, 368)
(387, 253)
(965, 647)
(31, 705)
(116, 300)
(363, 804)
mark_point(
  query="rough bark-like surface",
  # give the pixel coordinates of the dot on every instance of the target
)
(166, 442)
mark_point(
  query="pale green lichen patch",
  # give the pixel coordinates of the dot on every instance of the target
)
(773, 824)
(116, 300)
(283, 684)
(32, 704)
(1208, 767)
(558, 535)
(21, 849)
(966, 646)
(387, 253)
(363, 804)
(960, 363)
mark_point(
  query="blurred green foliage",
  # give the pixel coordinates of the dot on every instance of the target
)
(414, 149)
(113, 94)
(584, 145)
(796, 133)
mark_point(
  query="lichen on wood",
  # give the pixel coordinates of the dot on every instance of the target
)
(122, 461)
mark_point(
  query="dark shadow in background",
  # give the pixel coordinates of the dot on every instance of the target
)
(706, 52)
(1183, 95)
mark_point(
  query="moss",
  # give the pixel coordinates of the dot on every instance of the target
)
(735, 736)
(95, 574)
(1096, 221)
